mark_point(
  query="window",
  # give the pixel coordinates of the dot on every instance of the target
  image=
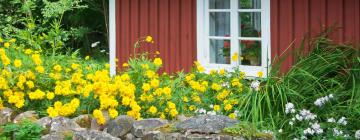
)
(234, 28)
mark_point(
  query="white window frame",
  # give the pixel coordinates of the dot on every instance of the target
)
(203, 43)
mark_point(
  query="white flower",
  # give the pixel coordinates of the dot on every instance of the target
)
(342, 121)
(280, 130)
(211, 113)
(102, 51)
(357, 134)
(93, 45)
(291, 123)
(337, 132)
(202, 111)
(255, 85)
(298, 117)
(316, 127)
(331, 120)
(211, 106)
(309, 131)
(289, 108)
(307, 115)
(322, 101)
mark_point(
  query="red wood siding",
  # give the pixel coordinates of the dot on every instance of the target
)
(172, 23)
(291, 20)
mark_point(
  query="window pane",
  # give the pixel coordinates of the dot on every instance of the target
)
(219, 24)
(220, 51)
(250, 4)
(250, 52)
(250, 24)
(219, 4)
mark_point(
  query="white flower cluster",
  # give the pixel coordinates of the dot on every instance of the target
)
(321, 101)
(305, 115)
(337, 132)
(314, 129)
(357, 134)
(203, 111)
(289, 108)
(342, 121)
(255, 85)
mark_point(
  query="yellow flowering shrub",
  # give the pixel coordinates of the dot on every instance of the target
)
(72, 87)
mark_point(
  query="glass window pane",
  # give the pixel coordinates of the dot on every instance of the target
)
(250, 24)
(219, 24)
(219, 4)
(250, 52)
(220, 51)
(250, 4)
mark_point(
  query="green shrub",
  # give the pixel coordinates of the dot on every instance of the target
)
(26, 130)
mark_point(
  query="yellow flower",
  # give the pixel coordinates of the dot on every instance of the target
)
(215, 87)
(149, 39)
(145, 66)
(87, 57)
(28, 51)
(228, 107)
(222, 71)
(216, 108)
(40, 69)
(1, 40)
(99, 116)
(52, 112)
(154, 83)
(171, 105)
(50, 95)
(235, 57)
(185, 99)
(146, 87)
(173, 112)
(153, 110)
(125, 101)
(36, 58)
(7, 45)
(150, 73)
(192, 108)
(158, 61)
(30, 84)
(162, 116)
(57, 68)
(232, 116)
(36, 95)
(260, 74)
(125, 64)
(13, 40)
(17, 63)
(113, 113)
(75, 66)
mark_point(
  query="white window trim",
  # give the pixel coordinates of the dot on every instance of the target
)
(203, 38)
(112, 37)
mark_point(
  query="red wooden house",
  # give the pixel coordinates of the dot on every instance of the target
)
(213, 31)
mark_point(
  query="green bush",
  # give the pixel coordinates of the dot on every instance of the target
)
(26, 130)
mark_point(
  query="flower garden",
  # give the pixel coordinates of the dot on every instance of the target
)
(318, 98)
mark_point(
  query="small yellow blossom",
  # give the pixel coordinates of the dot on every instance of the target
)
(17, 63)
(153, 110)
(260, 74)
(158, 61)
(7, 45)
(87, 57)
(149, 39)
(235, 57)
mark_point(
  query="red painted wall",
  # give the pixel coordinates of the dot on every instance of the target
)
(173, 25)
(291, 20)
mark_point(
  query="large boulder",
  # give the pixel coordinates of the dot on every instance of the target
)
(6, 115)
(141, 127)
(44, 122)
(120, 126)
(28, 115)
(83, 121)
(62, 124)
(205, 124)
(93, 135)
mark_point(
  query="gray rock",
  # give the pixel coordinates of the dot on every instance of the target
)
(181, 117)
(55, 136)
(141, 127)
(83, 121)
(28, 115)
(172, 136)
(44, 122)
(153, 135)
(6, 115)
(62, 124)
(205, 124)
(130, 136)
(120, 126)
(239, 138)
(93, 135)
